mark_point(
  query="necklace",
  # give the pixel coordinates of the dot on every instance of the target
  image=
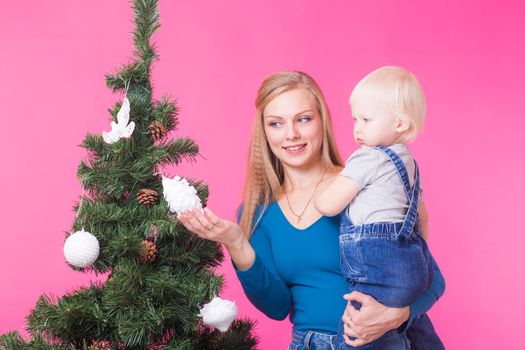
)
(300, 216)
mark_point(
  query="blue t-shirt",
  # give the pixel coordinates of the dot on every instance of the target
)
(296, 272)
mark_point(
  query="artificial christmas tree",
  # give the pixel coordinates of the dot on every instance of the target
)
(160, 275)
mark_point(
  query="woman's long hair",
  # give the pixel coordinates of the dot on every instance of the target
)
(264, 172)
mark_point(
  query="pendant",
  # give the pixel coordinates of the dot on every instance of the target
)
(298, 219)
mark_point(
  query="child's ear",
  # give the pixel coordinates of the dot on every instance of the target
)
(402, 123)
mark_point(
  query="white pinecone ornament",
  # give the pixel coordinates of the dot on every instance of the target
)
(81, 249)
(219, 313)
(180, 195)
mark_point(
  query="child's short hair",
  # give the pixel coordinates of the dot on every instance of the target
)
(399, 89)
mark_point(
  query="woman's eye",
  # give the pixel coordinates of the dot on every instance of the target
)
(275, 124)
(304, 119)
(366, 120)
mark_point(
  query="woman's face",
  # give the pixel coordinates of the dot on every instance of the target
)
(294, 129)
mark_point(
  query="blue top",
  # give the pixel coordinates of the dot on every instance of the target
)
(296, 272)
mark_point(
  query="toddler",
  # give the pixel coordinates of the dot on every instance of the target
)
(382, 244)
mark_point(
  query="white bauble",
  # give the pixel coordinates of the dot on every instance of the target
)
(81, 249)
(180, 195)
(219, 313)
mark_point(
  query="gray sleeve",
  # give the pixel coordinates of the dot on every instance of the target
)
(362, 166)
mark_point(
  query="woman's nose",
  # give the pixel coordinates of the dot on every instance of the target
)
(292, 132)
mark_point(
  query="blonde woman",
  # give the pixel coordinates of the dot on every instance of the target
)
(285, 252)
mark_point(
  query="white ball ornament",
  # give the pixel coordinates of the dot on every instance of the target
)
(81, 249)
(180, 195)
(219, 313)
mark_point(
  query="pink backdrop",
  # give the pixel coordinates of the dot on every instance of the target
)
(468, 56)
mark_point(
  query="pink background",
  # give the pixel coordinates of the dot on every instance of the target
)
(468, 56)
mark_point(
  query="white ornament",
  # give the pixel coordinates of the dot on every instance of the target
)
(121, 128)
(180, 195)
(81, 249)
(219, 313)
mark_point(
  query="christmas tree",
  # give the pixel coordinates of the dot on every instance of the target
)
(159, 274)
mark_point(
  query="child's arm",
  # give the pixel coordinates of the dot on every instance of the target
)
(423, 220)
(333, 196)
(336, 193)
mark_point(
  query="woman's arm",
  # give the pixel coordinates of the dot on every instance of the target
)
(375, 319)
(252, 259)
(261, 282)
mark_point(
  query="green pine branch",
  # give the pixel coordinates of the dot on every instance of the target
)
(147, 22)
(71, 318)
(130, 75)
(173, 152)
(166, 111)
(13, 341)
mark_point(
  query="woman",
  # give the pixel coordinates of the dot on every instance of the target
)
(285, 252)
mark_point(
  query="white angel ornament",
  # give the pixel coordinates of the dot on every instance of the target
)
(121, 128)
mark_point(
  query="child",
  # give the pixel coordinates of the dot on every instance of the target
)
(383, 250)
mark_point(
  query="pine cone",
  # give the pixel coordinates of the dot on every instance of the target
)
(149, 251)
(157, 130)
(100, 345)
(146, 196)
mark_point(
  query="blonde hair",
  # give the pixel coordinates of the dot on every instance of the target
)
(264, 171)
(400, 90)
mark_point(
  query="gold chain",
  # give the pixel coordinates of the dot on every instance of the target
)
(299, 216)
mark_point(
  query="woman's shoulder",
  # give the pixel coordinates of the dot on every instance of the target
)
(333, 171)
(261, 212)
(267, 212)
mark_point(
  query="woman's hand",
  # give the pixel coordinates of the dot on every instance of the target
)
(209, 226)
(371, 321)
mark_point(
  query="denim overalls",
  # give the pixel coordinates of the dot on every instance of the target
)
(311, 340)
(392, 263)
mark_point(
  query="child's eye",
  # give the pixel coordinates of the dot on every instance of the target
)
(366, 120)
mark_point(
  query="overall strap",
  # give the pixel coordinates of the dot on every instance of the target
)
(412, 193)
(412, 213)
(400, 167)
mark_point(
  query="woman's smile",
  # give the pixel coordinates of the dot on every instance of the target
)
(295, 149)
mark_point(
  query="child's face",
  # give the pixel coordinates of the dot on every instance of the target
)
(374, 123)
